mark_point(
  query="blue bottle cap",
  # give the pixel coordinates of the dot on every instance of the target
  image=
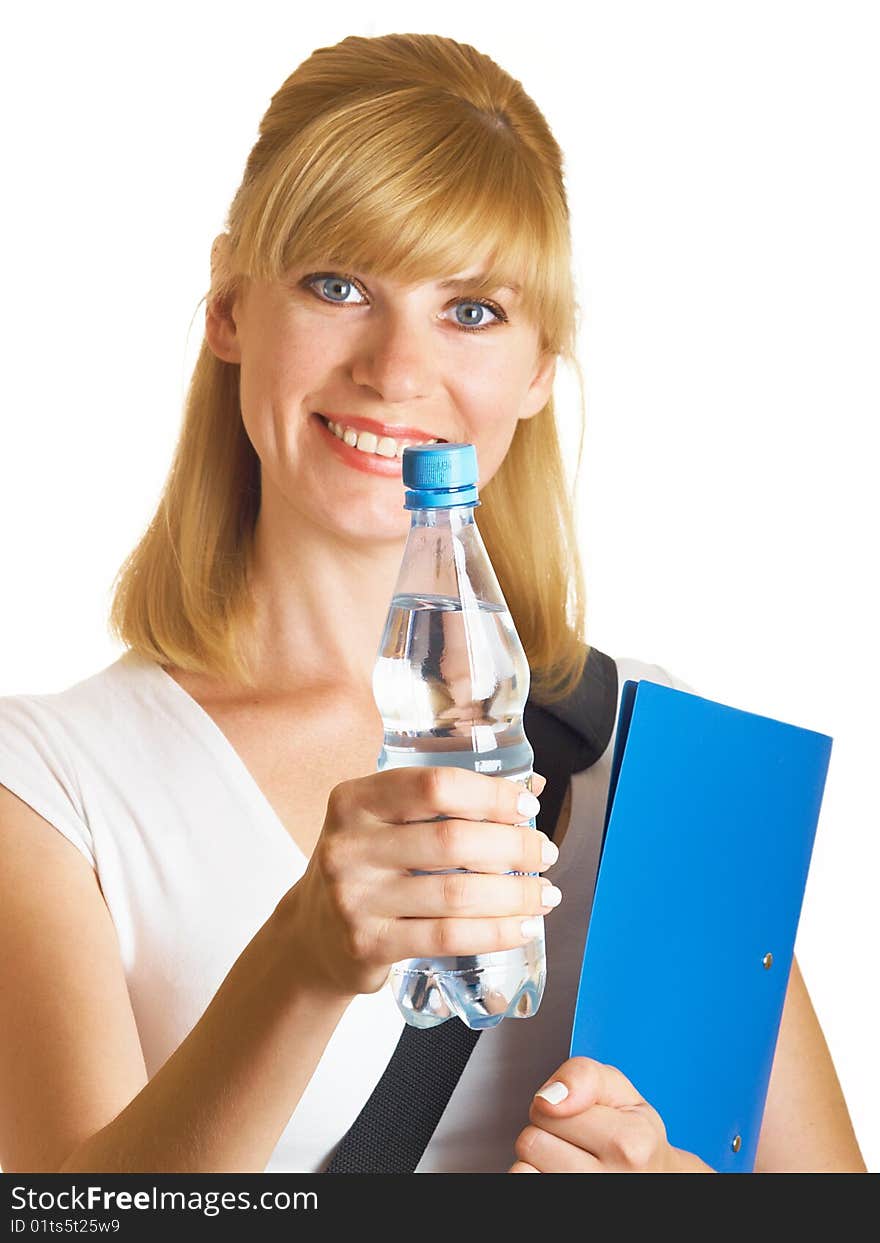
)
(440, 475)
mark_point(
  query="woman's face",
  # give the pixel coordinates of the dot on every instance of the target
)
(369, 351)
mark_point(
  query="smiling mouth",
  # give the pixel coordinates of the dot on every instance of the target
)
(372, 444)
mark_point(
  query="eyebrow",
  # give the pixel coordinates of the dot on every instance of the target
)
(462, 282)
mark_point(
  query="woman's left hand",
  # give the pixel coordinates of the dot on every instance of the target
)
(601, 1125)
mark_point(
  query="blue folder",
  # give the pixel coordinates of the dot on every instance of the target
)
(709, 828)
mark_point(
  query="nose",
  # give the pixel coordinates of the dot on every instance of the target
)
(394, 358)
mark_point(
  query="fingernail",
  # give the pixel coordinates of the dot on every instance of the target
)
(554, 1092)
(550, 895)
(549, 851)
(527, 804)
(531, 927)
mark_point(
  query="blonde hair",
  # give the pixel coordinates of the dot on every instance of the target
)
(406, 154)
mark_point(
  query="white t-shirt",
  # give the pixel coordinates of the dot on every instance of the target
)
(192, 860)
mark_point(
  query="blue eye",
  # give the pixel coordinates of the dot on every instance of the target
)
(335, 288)
(474, 325)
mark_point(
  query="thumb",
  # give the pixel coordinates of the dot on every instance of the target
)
(582, 1082)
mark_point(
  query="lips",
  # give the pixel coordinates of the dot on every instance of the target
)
(368, 463)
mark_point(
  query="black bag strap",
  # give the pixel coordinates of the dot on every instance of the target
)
(395, 1126)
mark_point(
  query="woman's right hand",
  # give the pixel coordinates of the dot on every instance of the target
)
(358, 909)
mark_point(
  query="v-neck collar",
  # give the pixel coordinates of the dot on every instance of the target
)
(589, 712)
(183, 705)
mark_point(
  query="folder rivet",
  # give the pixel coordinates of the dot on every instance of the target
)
(767, 961)
(737, 1143)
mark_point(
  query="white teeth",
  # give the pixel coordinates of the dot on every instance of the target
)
(368, 442)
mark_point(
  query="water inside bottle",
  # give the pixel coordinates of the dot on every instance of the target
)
(450, 682)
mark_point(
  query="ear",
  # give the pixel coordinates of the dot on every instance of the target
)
(220, 328)
(541, 386)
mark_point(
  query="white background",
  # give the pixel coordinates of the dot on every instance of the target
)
(721, 161)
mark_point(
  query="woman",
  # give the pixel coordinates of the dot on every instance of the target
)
(228, 874)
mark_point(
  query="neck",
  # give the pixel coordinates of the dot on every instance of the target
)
(320, 603)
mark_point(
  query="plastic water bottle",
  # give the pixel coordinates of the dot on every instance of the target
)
(451, 682)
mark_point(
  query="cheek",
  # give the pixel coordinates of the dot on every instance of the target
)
(489, 419)
(289, 354)
(280, 374)
(491, 390)
(490, 387)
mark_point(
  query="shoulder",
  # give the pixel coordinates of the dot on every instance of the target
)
(98, 702)
(630, 668)
(43, 739)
